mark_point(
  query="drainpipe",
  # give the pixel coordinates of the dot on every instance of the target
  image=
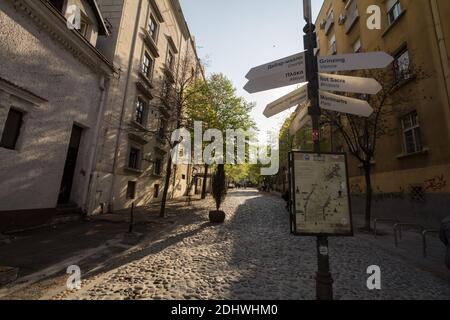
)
(93, 150)
(442, 49)
(122, 115)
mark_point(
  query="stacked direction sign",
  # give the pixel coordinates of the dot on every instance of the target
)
(292, 70)
(292, 99)
(277, 74)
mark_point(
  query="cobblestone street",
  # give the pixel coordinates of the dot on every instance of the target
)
(253, 256)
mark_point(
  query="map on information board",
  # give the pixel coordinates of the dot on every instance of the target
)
(321, 194)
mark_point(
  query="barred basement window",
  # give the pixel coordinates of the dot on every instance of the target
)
(11, 131)
(417, 193)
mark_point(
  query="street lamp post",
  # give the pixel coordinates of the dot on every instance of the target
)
(324, 281)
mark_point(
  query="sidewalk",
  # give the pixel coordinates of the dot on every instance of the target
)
(43, 255)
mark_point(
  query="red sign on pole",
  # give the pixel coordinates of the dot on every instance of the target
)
(316, 135)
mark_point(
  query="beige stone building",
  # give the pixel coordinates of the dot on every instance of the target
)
(53, 84)
(151, 46)
(411, 170)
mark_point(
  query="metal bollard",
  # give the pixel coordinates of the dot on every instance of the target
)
(424, 240)
(130, 230)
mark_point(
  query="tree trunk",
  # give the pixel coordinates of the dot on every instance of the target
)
(369, 193)
(205, 180)
(162, 213)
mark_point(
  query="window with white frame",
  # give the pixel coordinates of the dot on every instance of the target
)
(152, 28)
(332, 45)
(357, 46)
(394, 10)
(141, 111)
(402, 64)
(411, 133)
(147, 64)
(170, 59)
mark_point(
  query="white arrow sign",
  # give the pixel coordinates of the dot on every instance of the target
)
(292, 63)
(342, 104)
(292, 99)
(333, 82)
(274, 81)
(301, 119)
(355, 61)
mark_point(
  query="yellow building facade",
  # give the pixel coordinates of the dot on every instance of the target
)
(411, 171)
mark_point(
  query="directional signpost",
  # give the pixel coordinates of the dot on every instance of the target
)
(306, 67)
(275, 80)
(290, 100)
(334, 102)
(355, 61)
(277, 74)
(333, 82)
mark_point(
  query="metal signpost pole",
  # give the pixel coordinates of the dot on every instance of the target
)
(324, 281)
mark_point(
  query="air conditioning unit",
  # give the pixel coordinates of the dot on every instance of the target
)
(342, 18)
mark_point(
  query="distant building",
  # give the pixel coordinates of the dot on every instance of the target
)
(52, 98)
(412, 163)
(152, 48)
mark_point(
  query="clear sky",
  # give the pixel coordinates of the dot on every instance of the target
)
(235, 35)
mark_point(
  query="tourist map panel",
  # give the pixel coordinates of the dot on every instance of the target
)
(320, 187)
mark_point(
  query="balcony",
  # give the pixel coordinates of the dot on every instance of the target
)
(352, 15)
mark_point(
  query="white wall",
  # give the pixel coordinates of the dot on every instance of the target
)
(31, 175)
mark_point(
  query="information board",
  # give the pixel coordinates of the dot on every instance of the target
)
(320, 194)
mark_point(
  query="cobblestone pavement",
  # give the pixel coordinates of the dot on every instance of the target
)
(253, 256)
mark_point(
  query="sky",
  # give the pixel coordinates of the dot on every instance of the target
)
(233, 36)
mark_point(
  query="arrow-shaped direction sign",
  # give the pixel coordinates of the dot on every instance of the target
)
(301, 119)
(292, 99)
(274, 81)
(333, 82)
(342, 104)
(355, 61)
(294, 63)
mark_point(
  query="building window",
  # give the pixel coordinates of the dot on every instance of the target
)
(156, 191)
(141, 108)
(158, 167)
(84, 28)
(133, 159)
(394, 10)
(332, 45)
(131, 190)
(402, 65)
(357, 46)
(411, 133)
(417, 193)
(147, 65)
(58, 4)
(153, 28)
(162, 129)
(183, 177)
(11, 131)
(170, 60)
